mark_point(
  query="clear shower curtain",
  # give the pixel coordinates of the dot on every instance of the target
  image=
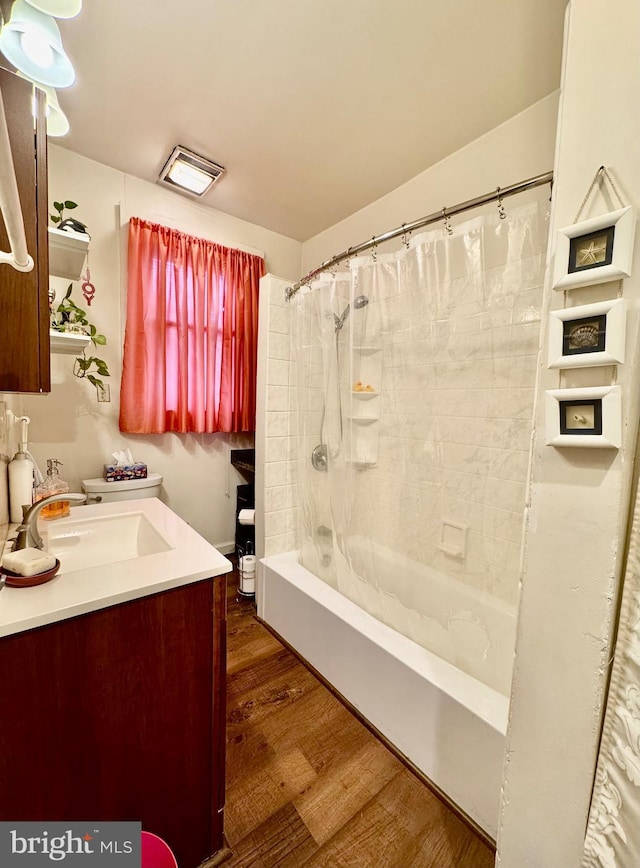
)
(415, 387)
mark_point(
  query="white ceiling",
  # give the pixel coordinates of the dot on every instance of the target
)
(315, 107)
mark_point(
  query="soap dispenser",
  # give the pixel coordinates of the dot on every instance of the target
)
(53, 484)
(20, 474)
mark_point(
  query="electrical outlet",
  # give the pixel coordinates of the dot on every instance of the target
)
(104, 393)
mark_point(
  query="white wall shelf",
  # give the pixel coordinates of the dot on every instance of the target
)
(67, 253)
(67, 342)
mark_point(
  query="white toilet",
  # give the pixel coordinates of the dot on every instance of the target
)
(100, 491)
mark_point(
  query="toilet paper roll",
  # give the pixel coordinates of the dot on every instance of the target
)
(248, 564)
(247, 516)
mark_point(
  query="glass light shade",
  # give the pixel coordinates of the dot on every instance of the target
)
(57, 123)
(37, 48)
(30, 40)
(57, 8)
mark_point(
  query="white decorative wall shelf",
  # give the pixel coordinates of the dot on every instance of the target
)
(66, 342)
(67, 253)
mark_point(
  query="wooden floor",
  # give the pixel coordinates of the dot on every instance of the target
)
(308, 786)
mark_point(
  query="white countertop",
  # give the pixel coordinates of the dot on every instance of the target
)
(190, 559)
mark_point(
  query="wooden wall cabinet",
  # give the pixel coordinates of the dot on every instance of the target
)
(120, 715)
(24, 305)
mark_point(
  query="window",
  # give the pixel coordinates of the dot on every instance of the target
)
(191, 334)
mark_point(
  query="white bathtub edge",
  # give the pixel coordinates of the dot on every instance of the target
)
(489, 705)
(458, 748)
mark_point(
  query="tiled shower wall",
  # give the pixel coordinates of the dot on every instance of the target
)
(456, 420)
(278, 485)
(452, 444)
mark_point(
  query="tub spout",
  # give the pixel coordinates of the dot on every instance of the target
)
(28, 534)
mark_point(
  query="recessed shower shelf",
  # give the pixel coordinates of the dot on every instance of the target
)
(363, 420)
(364, 396)
(367, 349)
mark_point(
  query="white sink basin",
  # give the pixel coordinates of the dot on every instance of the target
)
(110, 553)
(81, 543)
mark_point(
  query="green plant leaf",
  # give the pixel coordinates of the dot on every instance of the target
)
(69, 204)
(99, 340)
(55, 219)
(59, 206)
(68, 292)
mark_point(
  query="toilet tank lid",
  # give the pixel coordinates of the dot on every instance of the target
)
(100, 484)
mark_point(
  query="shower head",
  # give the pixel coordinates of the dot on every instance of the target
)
(358, 302)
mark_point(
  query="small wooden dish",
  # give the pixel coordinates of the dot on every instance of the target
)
(14, 580)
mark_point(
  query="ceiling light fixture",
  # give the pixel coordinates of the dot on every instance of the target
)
(57, 123)
(57, 8)
(188, 172)
(31, 41)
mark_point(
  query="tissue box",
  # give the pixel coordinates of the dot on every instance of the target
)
(120, 472)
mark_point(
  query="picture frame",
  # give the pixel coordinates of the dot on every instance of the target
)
(589, 417)
(588, 335)
(595, 251)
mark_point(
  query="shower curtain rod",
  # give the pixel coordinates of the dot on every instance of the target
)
(499, 194)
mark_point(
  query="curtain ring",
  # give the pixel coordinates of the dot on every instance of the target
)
(447, 221)
(501, 211)
(405, 237)
(374, 255)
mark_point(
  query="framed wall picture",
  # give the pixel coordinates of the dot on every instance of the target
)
(588, 335)
(595, 251)
(590, 417)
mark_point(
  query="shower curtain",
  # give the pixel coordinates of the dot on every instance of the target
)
(415, 387)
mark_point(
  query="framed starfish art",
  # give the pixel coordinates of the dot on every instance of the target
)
(595, 251)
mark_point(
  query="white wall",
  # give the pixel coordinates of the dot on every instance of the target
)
(518, 149)
(579, 497)
(69, 424)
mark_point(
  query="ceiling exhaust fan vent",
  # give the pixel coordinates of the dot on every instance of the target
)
(190, 173)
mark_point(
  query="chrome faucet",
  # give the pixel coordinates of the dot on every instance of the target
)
(28, 533)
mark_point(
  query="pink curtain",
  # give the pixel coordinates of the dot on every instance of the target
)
(191, 334)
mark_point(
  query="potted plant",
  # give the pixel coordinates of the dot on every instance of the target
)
(68, 317)
(66, 223)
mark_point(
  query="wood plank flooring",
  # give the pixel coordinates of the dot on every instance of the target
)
(308, 786)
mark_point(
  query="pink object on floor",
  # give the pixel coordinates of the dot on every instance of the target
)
(156, 853)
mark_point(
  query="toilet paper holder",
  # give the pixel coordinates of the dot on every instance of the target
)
(247, 571)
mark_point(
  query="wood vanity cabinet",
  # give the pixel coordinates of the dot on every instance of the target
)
(120, 715)
(24, 303)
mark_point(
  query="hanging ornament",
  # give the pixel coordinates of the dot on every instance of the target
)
(88, 289)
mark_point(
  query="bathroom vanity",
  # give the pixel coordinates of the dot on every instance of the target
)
(118, 712)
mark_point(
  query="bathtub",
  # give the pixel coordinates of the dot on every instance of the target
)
(447, 723)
